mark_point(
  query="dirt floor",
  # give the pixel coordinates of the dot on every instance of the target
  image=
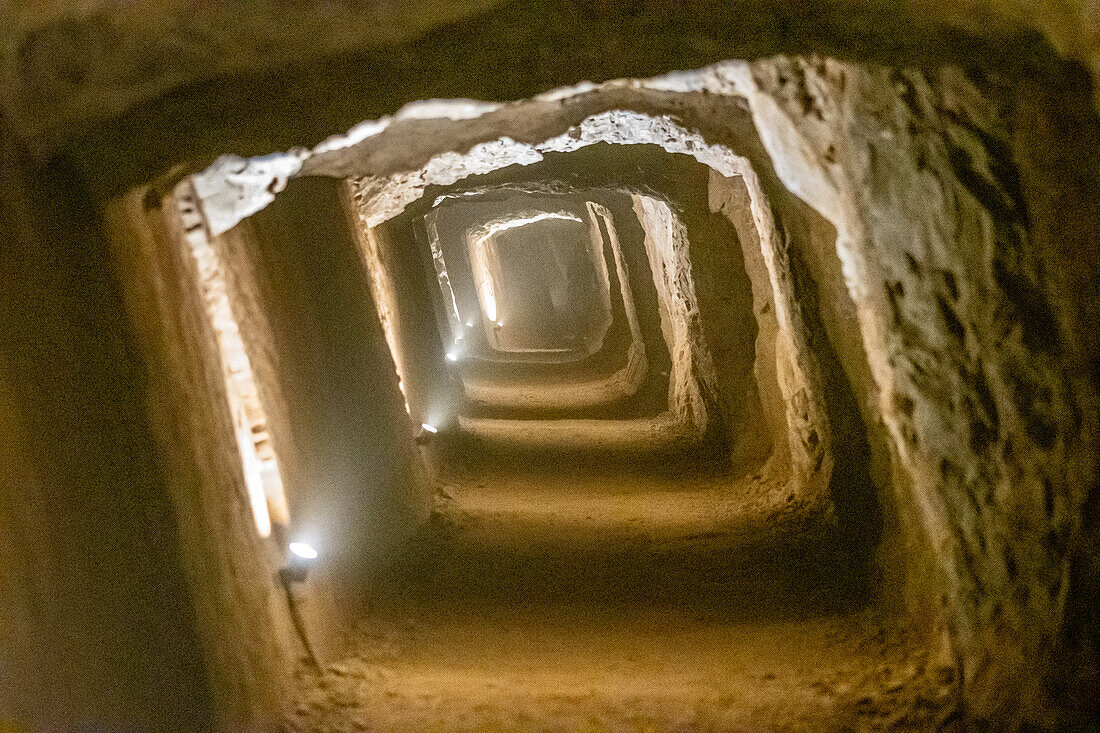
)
(582, 597)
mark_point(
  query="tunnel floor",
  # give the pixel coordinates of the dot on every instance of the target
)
(575, 597)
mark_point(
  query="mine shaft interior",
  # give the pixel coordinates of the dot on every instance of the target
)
(750, 386)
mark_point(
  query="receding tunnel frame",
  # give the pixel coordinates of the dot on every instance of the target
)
(494, 250)
(586, 390)
(677, 424)
(628, 111)
(685, 419)
(481, 332)
(801, 432)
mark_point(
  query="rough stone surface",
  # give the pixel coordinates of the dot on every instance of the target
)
(998, 440)
(68, 65)
(360, 487)
(94, 619)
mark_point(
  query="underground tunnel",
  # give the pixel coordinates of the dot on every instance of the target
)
(549, 366)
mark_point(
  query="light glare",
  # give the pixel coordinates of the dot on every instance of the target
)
(430, 428)
(488, 298)
(303, 550)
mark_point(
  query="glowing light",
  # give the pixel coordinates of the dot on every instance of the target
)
(404, 395)
(254, 483)
(429, 427)
(452, 356)
(488, 297)
(469, 324)
(302, 550)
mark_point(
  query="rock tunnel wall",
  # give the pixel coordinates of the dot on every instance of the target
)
(353, 482)
(95, 608)
(399, 281)
(730, 197)
(739, 344)
(972, 362)
(692, 370)
(363, 487)
(246, 634)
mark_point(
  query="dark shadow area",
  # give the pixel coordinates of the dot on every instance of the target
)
(853, 492)
(523, 48)
(94, 554)
(760, 569)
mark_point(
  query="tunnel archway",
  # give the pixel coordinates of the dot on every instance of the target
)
(914, 282)
(828, 243)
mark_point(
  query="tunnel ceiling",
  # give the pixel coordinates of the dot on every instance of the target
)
(68, 68)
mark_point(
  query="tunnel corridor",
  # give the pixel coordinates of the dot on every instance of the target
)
(587, 528)
(627, 352)
(547, 365)
(584, 368)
